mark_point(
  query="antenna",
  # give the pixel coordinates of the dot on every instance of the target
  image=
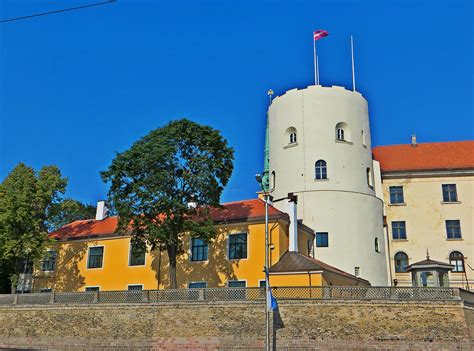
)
(353, 70)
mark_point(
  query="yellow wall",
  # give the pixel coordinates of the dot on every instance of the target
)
(303, 279)
(72, 273)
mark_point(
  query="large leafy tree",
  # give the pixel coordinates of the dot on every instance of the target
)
(26, 196)
(67, 211)
(165, 184)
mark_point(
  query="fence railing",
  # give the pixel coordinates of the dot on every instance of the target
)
(235, 294)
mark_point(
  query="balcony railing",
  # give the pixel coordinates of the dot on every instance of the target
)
(235, 294)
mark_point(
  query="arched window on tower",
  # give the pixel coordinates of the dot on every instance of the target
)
(364, 142)
(273, 180)
(457, 260)
(401, 262)
(342, 132)
(320, 170)
(369, 177)
(291, 135)
(377, 248)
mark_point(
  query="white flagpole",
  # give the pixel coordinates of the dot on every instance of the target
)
(317, 67)
(353, 70)
(316, 78)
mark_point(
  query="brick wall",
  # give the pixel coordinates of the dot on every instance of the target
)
(308, 324)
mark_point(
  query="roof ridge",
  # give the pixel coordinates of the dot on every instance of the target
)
(425, 143)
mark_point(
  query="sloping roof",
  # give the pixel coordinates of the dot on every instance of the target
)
(425, 156)
(239, 211)
(296, 262)
(430, 263)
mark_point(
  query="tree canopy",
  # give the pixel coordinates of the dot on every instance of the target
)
(67, 211)
(26, 196)
(164, 185)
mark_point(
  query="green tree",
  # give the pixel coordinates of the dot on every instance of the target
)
(26, 197)
(165, 184)
(67, 211)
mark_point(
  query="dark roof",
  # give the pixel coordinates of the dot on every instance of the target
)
(430, 263)
(296, 262)
(231, 212)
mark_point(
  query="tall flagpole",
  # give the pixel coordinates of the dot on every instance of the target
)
(317, 67)
(353, 70)
(316, 76)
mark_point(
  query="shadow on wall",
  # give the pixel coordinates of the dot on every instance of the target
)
(68, 274)
(217, 270)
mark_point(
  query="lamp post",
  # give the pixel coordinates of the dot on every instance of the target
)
(258, 178)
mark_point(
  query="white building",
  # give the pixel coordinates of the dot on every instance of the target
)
(429, 196)
(319, 148)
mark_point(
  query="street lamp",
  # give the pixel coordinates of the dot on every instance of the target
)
(258, 178)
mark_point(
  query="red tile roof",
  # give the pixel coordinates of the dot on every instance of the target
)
(425, 156)
(239, 211)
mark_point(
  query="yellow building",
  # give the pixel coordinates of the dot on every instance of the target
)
(89, 255)
(428, 190)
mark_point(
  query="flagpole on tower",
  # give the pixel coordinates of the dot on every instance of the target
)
(317, 34)
(317, 67)
(353, 70)
(316, 78)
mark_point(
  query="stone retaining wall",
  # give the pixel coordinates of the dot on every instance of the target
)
(308, 325)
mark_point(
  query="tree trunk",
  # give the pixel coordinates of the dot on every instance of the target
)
(172, 249)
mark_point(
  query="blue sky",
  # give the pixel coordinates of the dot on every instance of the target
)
(77, 87)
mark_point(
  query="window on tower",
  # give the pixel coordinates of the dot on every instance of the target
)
(343, 132)
(340, 134)
(273, 180)
(291, 135)
(321, 170)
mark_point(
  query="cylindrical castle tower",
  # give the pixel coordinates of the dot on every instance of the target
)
(320, 149)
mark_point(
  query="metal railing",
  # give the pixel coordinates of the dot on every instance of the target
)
(235, 294)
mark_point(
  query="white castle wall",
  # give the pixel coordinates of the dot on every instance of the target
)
(344, 205)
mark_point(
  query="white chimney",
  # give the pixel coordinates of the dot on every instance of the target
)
(413, 140)
(291, 206)
(101, 212)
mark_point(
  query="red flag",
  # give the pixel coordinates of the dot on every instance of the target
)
(319, 34)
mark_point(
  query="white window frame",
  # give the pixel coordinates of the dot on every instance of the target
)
(55, 261)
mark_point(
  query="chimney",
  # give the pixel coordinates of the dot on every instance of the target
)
(291, 206)
(413, 140)
(101, 212)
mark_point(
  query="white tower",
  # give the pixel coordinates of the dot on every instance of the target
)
(320, 149)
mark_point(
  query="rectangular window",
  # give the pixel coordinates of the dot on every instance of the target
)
(262, 283)
(137, 254)
(453, 229)
(49, 261)
(46, 290)
(237, 246)
(199, 250)
(399, 230)
(136, 287)
(237, 284)
(92, 289)
(449, 193)
(96, 256)
(197, 285)
(396, 195)
(322, 240)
